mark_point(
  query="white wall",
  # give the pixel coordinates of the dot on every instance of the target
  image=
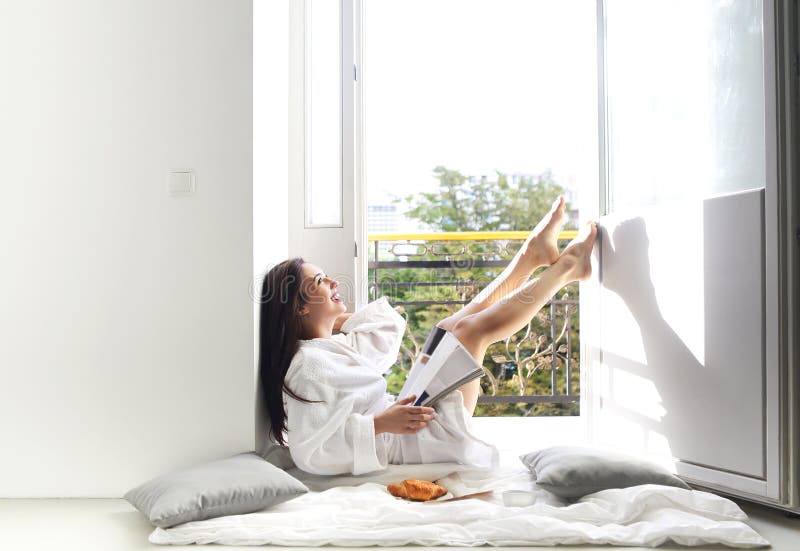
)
(126, 323)
(270, 146)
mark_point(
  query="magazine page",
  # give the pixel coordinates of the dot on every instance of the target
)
(434, 376)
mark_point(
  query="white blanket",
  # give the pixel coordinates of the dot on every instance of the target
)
(366, 515)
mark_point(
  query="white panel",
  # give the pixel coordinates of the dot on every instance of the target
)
(331, 248)
(682, 333)
(270, 165)
(126, 327)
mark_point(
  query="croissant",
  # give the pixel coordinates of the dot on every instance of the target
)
(417, 490)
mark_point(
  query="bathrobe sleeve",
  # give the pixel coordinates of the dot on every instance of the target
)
(329, 437)
(376, 331)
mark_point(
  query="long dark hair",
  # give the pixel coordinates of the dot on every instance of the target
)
(279, 334)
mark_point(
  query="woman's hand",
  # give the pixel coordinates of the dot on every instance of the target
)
(402, 418)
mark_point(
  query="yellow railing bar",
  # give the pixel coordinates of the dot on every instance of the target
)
(461, 236)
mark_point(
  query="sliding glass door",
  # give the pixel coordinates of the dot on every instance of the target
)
(688, 366)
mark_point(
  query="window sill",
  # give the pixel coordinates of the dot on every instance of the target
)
(515, 436)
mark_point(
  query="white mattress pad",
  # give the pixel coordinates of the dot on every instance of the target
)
(359, 511)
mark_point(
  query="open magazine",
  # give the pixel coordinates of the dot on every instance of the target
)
(434, 376)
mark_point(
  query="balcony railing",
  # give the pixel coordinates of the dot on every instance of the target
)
(443, 266)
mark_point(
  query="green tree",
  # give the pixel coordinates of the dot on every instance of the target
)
(463, 203)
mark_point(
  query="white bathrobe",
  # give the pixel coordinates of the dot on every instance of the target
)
(345, 372)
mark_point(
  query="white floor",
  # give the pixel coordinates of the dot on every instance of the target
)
(114, 525)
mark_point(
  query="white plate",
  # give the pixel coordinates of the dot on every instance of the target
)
(448, 495)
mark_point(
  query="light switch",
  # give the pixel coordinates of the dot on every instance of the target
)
(180, 182)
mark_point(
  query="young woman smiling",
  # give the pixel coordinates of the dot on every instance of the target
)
(322, 368)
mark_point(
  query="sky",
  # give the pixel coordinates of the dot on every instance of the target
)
(478, 86)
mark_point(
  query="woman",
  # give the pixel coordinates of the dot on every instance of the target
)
(322, 369)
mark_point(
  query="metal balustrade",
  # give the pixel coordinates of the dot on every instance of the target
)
(450, 253)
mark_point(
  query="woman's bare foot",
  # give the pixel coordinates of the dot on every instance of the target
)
(575, 259)
(541, 247)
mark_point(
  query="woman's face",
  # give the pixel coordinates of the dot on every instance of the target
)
(321, 303)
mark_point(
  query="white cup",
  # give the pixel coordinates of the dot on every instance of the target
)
(518, 498)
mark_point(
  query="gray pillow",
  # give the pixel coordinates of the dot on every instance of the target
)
(235, 485)
(573, 472)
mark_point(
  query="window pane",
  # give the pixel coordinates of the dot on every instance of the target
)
(685, 99)
(478, 86)
(323, 168)
(477, 114)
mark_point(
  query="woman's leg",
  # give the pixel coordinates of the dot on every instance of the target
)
(507, 316)
(540, 249)
(470, 392)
